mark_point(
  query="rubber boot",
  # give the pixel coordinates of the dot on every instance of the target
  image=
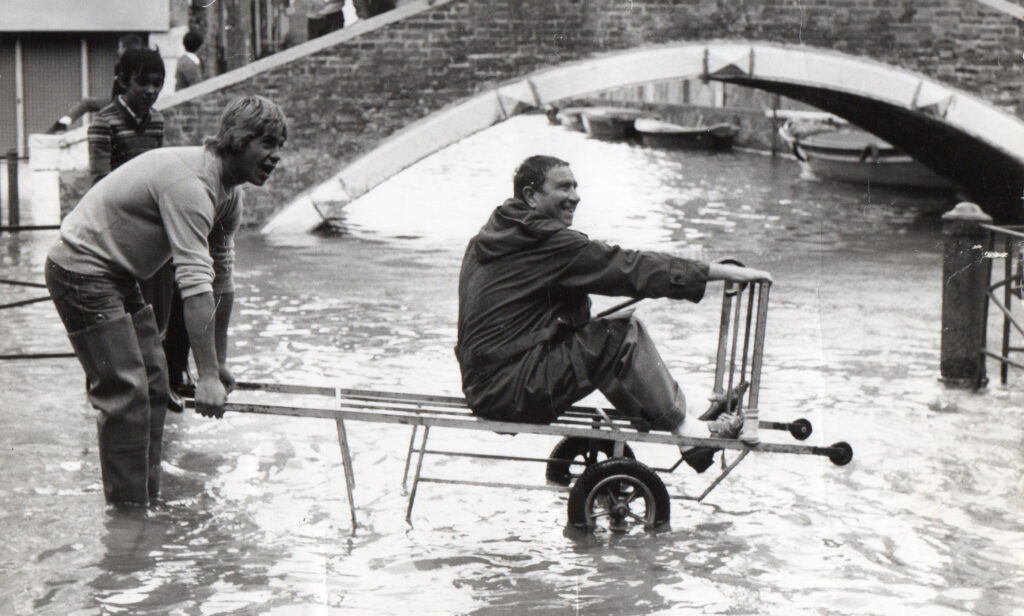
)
(156, 373)
(118, 388)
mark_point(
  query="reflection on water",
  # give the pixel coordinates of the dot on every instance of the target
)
(926, 520)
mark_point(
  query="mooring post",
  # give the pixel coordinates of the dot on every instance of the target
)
(13, 215)
(966, 271)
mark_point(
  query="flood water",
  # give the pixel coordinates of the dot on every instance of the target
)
(927, 520)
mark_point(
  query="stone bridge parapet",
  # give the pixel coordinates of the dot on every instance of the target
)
(348, 91)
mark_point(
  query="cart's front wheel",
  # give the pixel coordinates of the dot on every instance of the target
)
(573, 452)
(618, 495)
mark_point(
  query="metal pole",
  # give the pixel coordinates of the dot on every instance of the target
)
(965, 275)
(13, 213)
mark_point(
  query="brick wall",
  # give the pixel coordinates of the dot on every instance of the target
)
(344, 100)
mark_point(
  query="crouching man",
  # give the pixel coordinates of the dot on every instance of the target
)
(177, 204)
(527, 346)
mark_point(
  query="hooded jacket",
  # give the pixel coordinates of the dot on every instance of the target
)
(526, 278)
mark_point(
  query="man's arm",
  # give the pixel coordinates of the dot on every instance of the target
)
(204, 334)
(224, 303)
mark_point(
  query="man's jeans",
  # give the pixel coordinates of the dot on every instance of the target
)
(116, 340)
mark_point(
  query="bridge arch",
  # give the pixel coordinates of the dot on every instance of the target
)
(955, 133)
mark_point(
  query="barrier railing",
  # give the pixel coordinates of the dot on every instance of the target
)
(1006, 243)
(26, 302)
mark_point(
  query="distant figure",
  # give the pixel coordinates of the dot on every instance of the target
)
(190, 67)
(95, 103)
(129, 125)
(371, 8)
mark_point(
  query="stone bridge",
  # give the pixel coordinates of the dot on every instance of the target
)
(940, 79)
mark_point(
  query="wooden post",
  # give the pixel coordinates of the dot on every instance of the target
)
(13, 213)
(966, 272)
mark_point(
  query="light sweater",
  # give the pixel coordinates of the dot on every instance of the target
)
(168, 203)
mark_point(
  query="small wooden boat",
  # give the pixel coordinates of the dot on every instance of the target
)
(657, 133)
(612, 123)
(831, 151)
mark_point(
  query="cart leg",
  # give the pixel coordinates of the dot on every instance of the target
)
(350, 478)
(408, 456)
(725, 472)
(416, 476)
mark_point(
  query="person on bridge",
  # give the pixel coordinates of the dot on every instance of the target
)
(527, 345)
(181, 204)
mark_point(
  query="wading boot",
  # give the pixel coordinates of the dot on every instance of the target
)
(118, 389)
(156, 373)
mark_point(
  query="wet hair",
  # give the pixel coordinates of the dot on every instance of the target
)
(245, 119)
(192, 41)
(139, 61)
(532, 172)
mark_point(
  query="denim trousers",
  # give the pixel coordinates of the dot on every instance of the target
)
(115, 337)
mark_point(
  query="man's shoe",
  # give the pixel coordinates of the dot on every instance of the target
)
(726, 426)
(719, 406)
(700, 459)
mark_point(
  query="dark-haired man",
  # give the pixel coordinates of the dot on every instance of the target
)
(180, 204)
(527, 345)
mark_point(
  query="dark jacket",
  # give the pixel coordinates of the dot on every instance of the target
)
(526, 278)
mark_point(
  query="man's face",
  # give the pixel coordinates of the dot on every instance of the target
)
(556, 198)
(258, 159)
(141, 91)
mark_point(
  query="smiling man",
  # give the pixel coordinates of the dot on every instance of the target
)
(527, 345)
(179, 204)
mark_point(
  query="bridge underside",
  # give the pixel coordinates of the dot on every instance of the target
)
(988, 175)
(953, 133)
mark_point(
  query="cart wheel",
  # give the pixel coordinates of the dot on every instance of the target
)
(840, 453)
(575, 451)
(618, 495)
(800, 429)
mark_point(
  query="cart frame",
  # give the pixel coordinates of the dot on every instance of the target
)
(596, 426)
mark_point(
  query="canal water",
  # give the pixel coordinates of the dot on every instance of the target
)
(927, 520)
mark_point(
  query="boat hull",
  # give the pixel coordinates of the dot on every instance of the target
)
(609, 124)
(854, 156)
(718, 137)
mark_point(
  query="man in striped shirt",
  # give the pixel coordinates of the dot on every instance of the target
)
(129, 125)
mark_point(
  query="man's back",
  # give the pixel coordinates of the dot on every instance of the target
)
(508, 281)
(187, 73)
(129, 222)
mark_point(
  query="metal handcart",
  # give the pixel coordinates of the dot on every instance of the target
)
(608, 488)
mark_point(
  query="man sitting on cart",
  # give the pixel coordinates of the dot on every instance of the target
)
(527, 346)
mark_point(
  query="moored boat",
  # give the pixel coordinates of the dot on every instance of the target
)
(569, 117)
(831, 151)
(657, 133)
(612, 123)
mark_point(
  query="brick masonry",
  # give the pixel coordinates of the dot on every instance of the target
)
(343, 100)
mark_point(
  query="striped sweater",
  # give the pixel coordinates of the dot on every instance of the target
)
(116, 136)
